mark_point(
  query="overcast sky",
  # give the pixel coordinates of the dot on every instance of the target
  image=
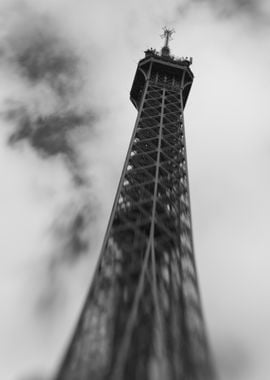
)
(66, 68)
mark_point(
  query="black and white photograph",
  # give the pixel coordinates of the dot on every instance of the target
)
(134, 194)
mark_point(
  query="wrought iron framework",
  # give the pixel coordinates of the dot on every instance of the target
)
(142, 318)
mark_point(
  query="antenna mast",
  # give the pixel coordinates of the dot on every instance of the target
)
(167, 35)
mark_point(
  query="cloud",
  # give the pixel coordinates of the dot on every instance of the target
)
(36, 50)
(232, 7)
(45, 62)
(51, 72)
(255, 11)
(50, 135)
(46, 121)
(40, 53)
(35, 377)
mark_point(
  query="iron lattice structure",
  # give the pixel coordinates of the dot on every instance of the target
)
(142, 318)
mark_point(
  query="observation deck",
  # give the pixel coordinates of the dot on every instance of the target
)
(175, 72)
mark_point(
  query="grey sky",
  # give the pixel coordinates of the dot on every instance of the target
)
(66, 121)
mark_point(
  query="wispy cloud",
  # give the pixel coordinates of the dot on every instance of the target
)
(255, 11)
(49, 117)
(35, 49)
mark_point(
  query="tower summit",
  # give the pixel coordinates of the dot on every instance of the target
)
(142, 318)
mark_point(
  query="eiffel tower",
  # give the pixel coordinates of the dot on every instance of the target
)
(142, 318)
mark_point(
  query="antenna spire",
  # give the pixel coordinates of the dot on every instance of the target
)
(167, 35)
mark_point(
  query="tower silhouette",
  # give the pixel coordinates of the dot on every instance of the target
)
(142, 319)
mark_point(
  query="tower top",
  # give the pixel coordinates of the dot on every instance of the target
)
(165, 55)
(167, 35)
